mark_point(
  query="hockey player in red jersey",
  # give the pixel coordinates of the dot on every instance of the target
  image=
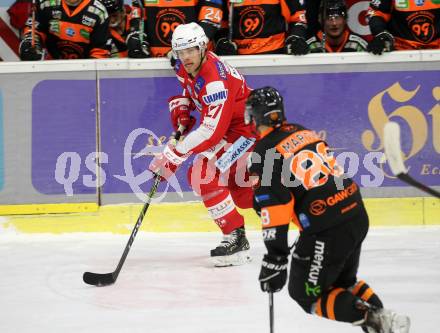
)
(222, 141)
(304, 185)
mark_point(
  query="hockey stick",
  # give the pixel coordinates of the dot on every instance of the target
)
(141, 23)
(33, 8)
(271, 319)
(323, 18)
(105, 279)
(393, 153)
(231, 20)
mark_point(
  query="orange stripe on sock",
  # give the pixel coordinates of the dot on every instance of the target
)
(319, 308)
(367, 294)
(358, 286)
(331, 302)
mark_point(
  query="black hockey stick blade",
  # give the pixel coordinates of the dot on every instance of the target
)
(393, 153)
(102, 280)
(411, 181)
(99, 280)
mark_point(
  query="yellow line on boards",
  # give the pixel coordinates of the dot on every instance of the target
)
(48, 208)
(188, 216)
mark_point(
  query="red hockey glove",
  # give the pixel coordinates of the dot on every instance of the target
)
(167, 163)
(180, 108)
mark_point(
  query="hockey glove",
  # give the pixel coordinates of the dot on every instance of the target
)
(273, 274)
(180, 108)
(225, 47)
(296, 45)
(138, 47)
(29, 52)
(167, 163)
(382, 42)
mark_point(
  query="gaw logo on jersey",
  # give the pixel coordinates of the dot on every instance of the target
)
(216, 93)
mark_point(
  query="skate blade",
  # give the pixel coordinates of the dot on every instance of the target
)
(401, 324)
(236, 259)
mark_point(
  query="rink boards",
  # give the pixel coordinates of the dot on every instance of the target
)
(56, 116)
(193, 217)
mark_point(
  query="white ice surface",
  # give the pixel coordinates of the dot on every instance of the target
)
(168, 284)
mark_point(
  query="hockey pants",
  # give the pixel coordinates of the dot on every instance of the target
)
(221, 193)
(323, 276)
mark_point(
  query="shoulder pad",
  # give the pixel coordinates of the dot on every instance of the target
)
(358, 39)
(49, 3)
(99, 5)
(216, 93)
(99, 10)
(221, 70)
(312, 40)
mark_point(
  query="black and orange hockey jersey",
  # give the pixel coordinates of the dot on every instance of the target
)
(296, 179)
(261, 26)
(415, 24)
(161, 17)
(72, 32)
(118, 36)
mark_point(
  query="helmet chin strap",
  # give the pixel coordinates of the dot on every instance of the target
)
(202, 56)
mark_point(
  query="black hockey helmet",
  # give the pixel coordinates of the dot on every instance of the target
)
(333, 8)
(265, 107)
(113, 6)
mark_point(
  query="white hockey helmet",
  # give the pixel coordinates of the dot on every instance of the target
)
(188, 35)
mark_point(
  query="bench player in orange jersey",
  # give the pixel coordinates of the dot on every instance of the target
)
(66, 29)
(404, 25)
(153, 21)
(264, 27)
(119, 27)
(297, 180)
(222, 141)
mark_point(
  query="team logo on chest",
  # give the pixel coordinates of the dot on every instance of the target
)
(70, 32)
(215, 97)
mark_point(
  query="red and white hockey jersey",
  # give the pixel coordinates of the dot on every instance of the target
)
(219, 93)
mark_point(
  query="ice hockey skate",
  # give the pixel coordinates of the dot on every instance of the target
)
(386, 321)
(232, 251)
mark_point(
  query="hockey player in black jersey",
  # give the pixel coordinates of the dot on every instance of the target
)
(335, 36)
(296, 179)
(118, 27)
(67, 29)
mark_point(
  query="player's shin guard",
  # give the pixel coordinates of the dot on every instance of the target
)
(222, 209)
(340, 305)
(362, 290)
